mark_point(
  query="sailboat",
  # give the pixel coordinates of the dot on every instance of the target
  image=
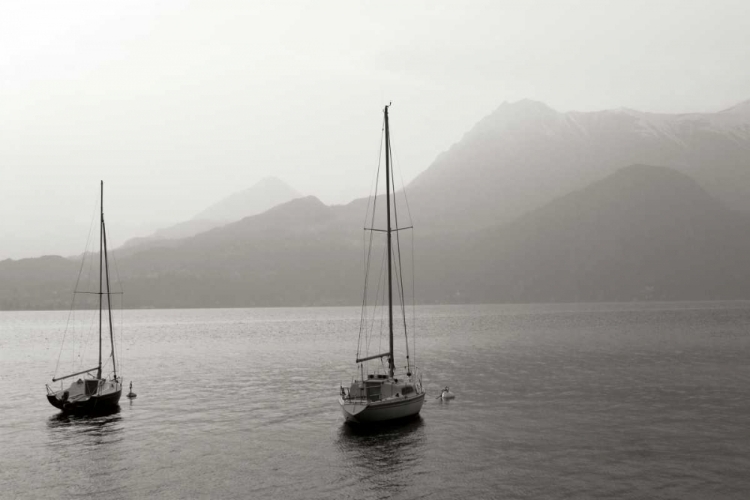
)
(384, 394)
(92, 392)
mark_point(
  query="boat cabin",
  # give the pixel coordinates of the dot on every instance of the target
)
(378, 388)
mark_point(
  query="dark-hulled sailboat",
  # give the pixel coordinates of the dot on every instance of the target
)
(91, 392)
(385, 393)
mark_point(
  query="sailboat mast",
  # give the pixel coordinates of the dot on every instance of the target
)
(391, 363)
(101, 247)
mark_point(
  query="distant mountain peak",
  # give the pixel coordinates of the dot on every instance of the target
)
(525, 114)
(305, 202)
(525, 106)
(264, 194)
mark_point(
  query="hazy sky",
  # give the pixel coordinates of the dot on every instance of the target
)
(178, 104)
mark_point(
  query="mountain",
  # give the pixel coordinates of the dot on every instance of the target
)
(642, 233)
(263, 195)
(181, 230)
(43, 283)
(294, 254)
(525, 154)
(532, 205)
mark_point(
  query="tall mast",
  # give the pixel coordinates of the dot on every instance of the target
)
(391, 364)
(101, 247)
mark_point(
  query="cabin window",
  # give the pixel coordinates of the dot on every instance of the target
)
(373, 392)
(407, 390)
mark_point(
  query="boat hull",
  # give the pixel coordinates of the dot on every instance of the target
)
(381, 411)
(90, 405)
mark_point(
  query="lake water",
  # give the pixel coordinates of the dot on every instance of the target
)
(552, 401)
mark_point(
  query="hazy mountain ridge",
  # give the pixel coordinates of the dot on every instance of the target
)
(642, 233)
(265, 194)
(525, 154)
(519, 210)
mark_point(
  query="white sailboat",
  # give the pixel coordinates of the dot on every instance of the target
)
(384, 393)
(91, 392)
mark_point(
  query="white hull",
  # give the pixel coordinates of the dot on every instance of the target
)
(381, 411)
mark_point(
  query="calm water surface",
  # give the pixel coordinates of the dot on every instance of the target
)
(563, 401)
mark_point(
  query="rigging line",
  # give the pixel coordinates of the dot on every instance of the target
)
(84, 335)
(367, 253)
(109, 299)
(122, 308)
(109, 305)
(413, 268)
(365, 328)
(403, 187)
(398, 241)
(367, 333)
(400, 272)
(113, 255)
(363, 320)
(368, 337)
(119, 342)
(72, 301)
(401, 295)
(385, 230)
(382, 319)
(370, 328)
(116, 345)
(377, 172)
(84, 341)
(413, 304)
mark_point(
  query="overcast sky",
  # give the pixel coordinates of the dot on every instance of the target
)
(177, 104)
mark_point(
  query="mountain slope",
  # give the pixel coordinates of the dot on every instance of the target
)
(294, 254)
(525, 154)
(265, 194)
(42, 283)
(642, 233)
(262, 196)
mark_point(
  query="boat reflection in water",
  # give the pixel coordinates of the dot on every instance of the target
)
(91, 428)
(382, 457)
(91, 455)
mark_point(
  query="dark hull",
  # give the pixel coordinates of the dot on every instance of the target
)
(395, 409)
(91, 405)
